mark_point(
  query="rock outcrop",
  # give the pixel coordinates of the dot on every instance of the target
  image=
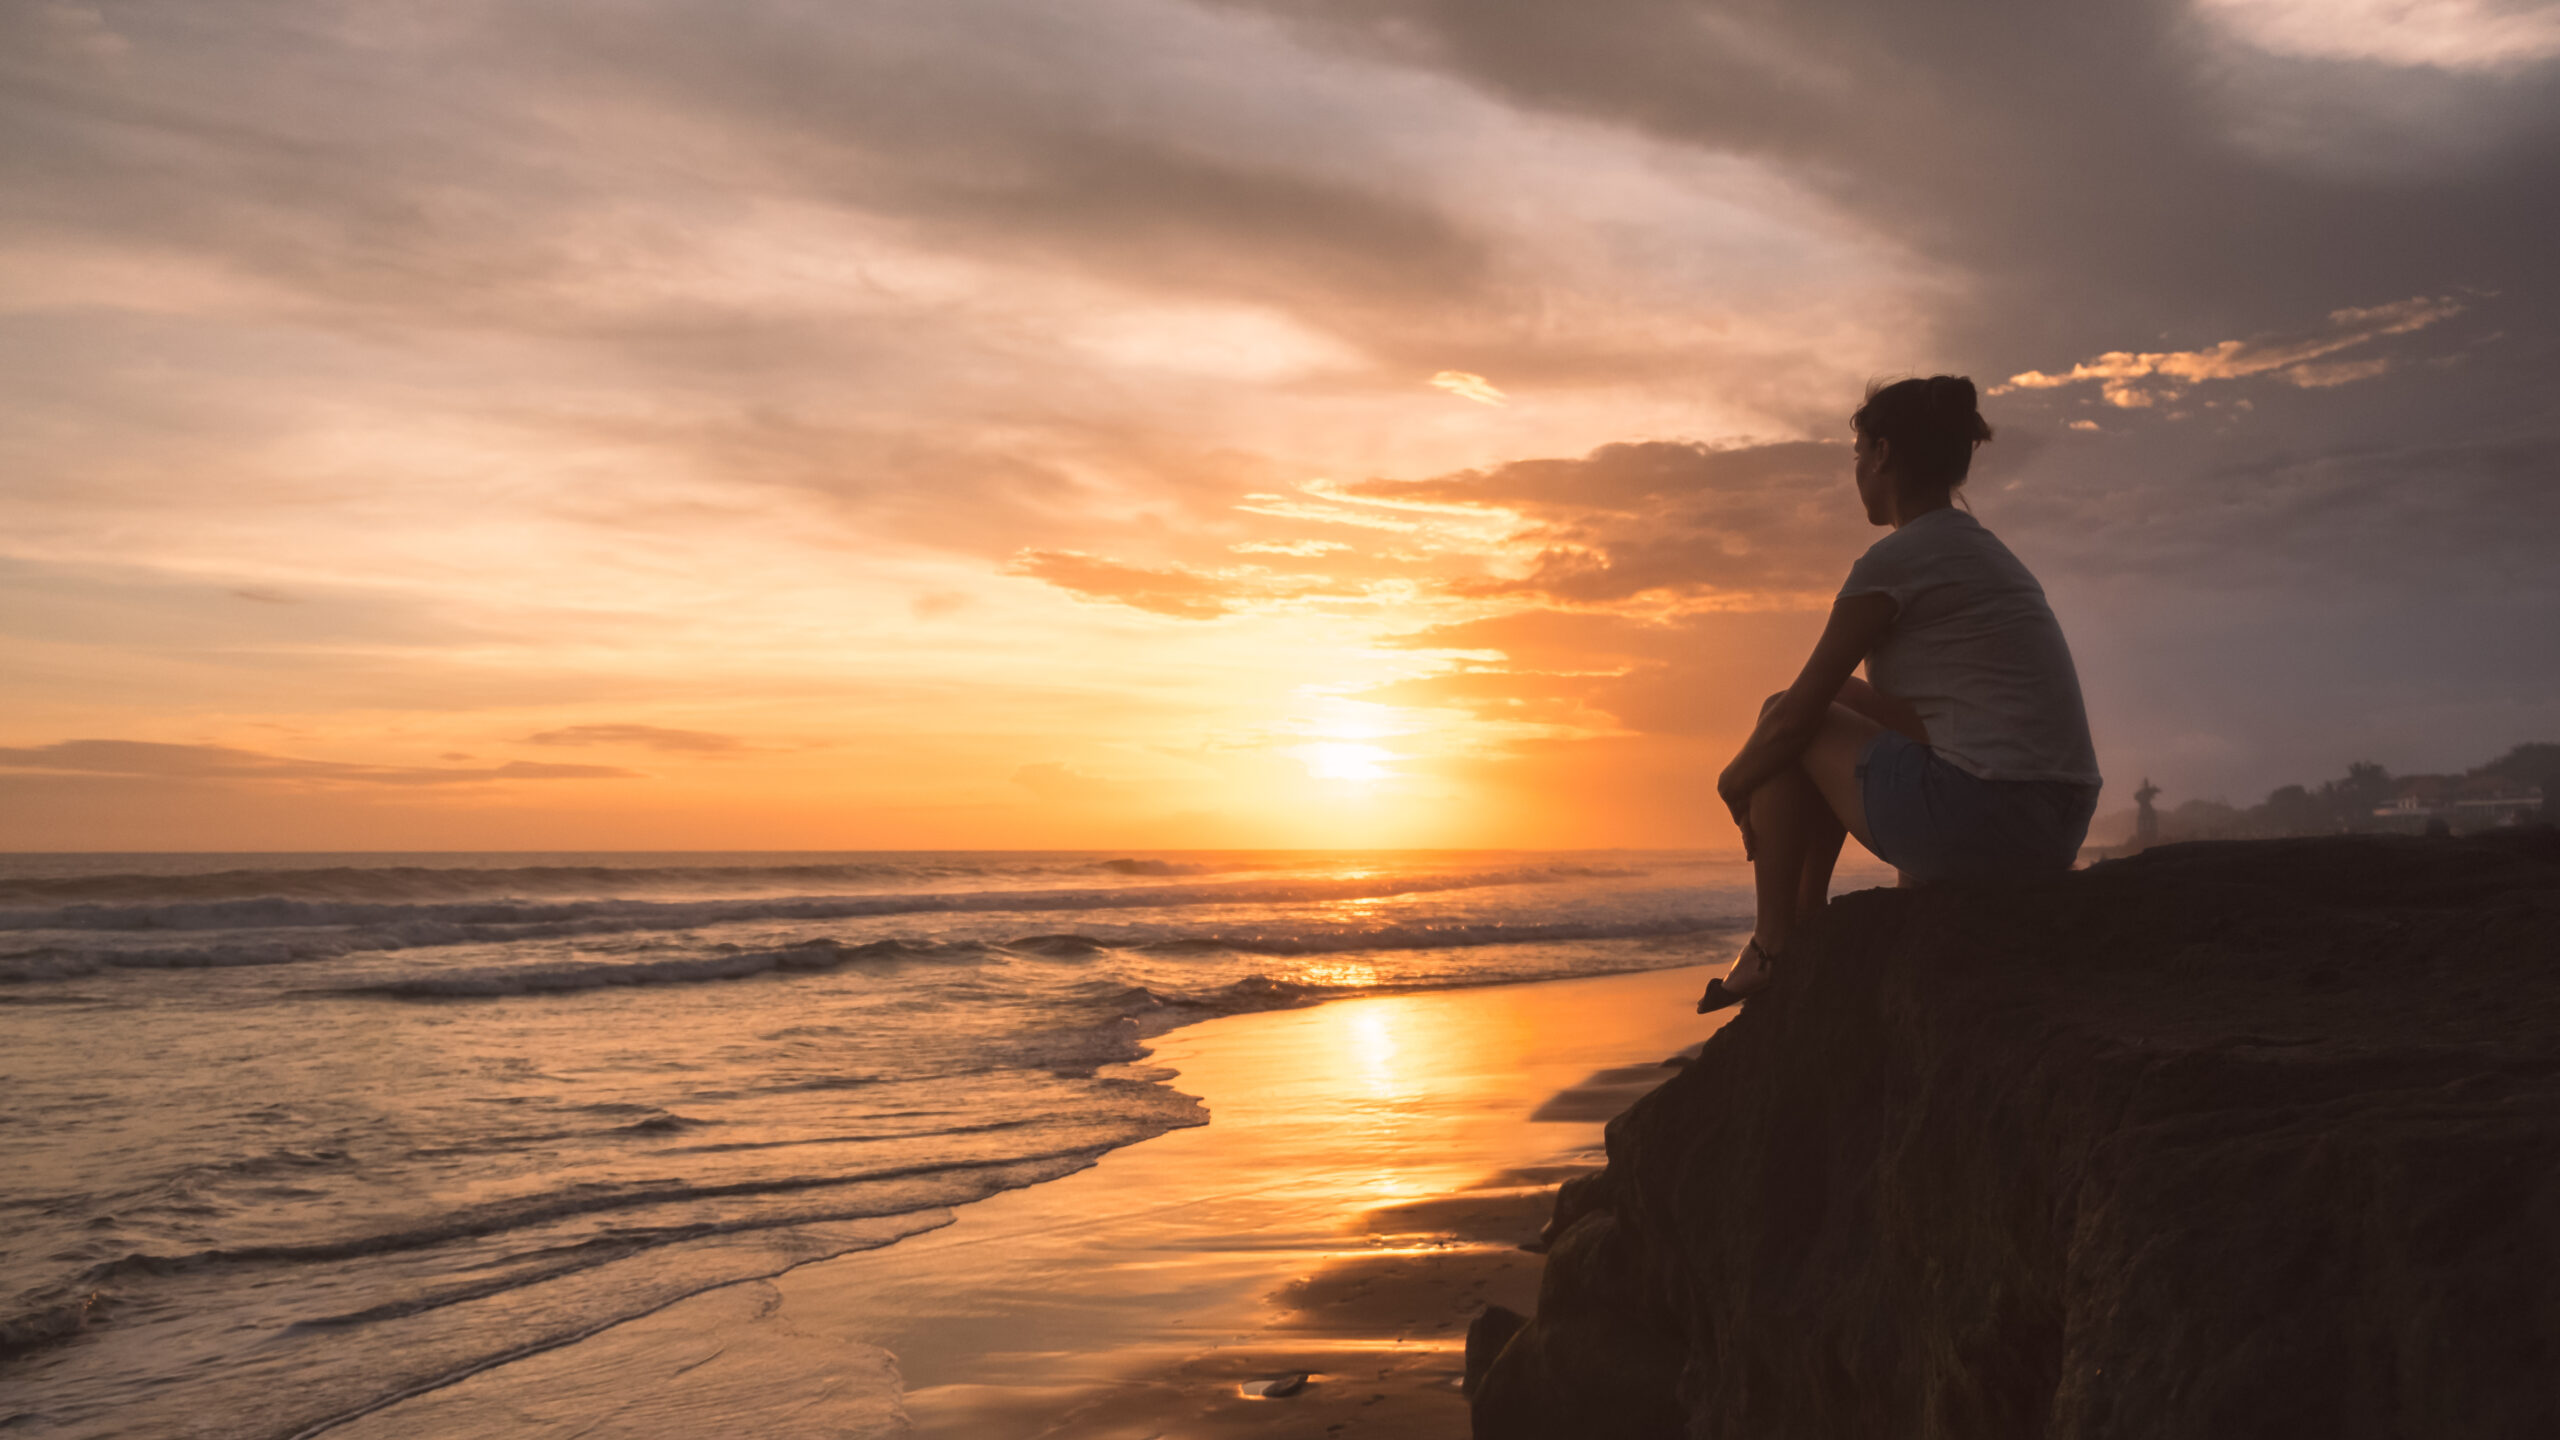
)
(2247, 1139)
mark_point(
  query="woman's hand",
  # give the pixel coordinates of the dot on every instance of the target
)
(1736, 794)
(1789, 721)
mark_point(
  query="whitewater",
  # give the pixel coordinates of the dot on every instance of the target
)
(292, 1136)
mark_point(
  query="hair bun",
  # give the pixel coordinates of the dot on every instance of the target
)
(1954, 398)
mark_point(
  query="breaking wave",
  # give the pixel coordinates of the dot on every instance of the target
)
(427, 884)
(820, 955)
(293, 931)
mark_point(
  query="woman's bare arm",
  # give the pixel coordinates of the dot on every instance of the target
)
(1856, 624)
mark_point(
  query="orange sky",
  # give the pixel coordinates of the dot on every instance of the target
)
(1149, 424)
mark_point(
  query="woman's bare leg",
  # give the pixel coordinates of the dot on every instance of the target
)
(1813, 888)
(1787, 815)
(1800, 816)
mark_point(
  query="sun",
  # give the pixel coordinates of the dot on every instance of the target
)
(1343, 760)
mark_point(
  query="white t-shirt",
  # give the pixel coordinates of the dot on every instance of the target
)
(1975, 649)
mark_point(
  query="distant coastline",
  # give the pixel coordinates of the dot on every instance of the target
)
(2519, 787)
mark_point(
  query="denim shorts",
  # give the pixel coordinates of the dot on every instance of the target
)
(1933, 821)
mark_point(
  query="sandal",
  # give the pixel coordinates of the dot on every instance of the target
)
(1720, 995)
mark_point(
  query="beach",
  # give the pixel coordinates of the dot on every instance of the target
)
(1368, 1173)
(299, 1140)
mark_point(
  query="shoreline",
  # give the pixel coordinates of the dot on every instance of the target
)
(1367, 1175)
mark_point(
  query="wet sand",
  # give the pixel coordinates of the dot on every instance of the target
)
(1369, 1172)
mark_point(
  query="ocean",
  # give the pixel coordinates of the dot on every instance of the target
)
(289, 1136)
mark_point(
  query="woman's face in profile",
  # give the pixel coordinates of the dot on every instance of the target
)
(1875, 491)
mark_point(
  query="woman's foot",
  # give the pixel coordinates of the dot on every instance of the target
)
(1751, 969)
(1749, 976)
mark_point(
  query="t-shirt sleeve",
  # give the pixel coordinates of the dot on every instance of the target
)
(1886, 569)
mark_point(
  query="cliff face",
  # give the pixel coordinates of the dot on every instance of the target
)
(2247, 1139)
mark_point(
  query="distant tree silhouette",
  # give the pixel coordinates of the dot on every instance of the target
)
(2293, 810)
(2367, 787)
(2346, 803)
(2525, 765)
(2536, 764)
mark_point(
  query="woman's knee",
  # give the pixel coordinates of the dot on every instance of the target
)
(1790, 786)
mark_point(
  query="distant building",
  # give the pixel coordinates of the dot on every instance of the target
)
(2459, 802)
(2418, 794)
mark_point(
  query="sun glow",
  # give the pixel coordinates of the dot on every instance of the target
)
(1340, 736)
(1338, 760)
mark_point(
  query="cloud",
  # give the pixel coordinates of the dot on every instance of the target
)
(1178, 592)
(691, 211)
(1181, 592)
(2120, 372)
(2078, 173)
(2337, 372)
(1282, 507)
(1585, 673)
(79, 31)
(1469, 387)
(1678, 521)
(1555, 639)
(143, 758)
(1626, 478)
(534, 770)
(650, 737)
(1175, 175)
(1303, 549)
(2409, 524)
(2457, 35)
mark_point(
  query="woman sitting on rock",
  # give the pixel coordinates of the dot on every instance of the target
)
(1965, 753)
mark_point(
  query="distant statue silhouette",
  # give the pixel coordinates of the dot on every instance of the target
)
(2146, 821)
(1965, 752)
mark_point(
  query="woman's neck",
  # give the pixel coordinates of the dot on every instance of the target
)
(1907, 508)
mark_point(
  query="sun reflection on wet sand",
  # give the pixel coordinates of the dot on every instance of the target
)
(1319, 1118)
(1387, 1093)
(1358, 1103)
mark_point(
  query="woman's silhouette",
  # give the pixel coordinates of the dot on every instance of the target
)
(1965, 753)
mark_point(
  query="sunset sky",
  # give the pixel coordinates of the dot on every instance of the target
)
(1120, 423)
